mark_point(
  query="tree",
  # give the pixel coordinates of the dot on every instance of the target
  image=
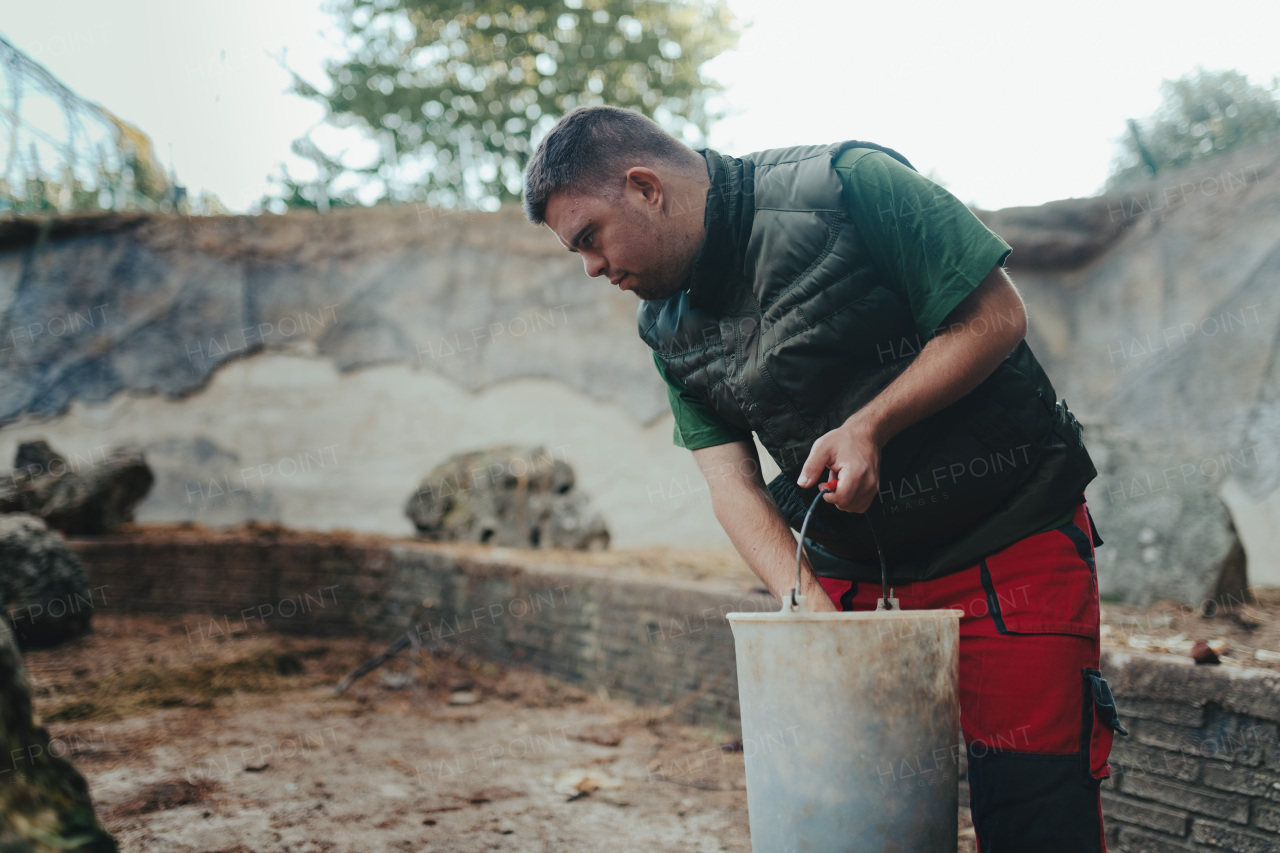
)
(453, 92)
(1201, 115)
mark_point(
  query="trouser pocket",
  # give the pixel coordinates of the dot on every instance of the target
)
(1045, 584)
(1101, 721)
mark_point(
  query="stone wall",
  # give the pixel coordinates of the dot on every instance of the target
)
(653, 640)
(404, 335)
(1201, 769)
(308, 370)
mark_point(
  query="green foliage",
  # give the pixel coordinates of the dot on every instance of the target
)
(1202, 114)
(452, 92)
(317, 194)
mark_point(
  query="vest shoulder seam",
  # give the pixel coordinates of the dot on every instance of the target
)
(824, 151)
(856, 160)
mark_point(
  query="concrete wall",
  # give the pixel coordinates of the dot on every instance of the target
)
(1201, 769)
(290, 439)
(311, 369)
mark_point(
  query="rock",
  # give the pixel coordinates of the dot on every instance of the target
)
(44, 590)
(1201, 653)
(1167, 536)
(44, 800)
(37, 454)
(506, 496)
(1171, 330)
(90, 494)
(1059, 234)
(577, 781)
(396, 680)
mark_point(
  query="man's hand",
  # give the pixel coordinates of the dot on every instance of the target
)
(852, 454)
(978, 335)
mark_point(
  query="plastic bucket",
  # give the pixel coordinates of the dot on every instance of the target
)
(850, 729)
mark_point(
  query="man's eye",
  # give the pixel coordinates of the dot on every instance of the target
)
(586, 241)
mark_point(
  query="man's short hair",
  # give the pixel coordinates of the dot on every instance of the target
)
(589, 149)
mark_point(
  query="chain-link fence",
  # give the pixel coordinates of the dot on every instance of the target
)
(60, 153)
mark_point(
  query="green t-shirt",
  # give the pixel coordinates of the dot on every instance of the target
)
(925, 241)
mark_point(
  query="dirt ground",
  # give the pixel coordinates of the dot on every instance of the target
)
(241, 746)
(237, 744)
(1242, 633)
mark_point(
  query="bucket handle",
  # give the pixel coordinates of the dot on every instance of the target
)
(886, 600)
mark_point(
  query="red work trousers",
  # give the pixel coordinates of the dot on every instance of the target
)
(1036, 714)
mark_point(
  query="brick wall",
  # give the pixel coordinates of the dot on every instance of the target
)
(658, 642)
(1200, 771)
(1201, 767)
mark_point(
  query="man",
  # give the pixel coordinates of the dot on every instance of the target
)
(855, 317)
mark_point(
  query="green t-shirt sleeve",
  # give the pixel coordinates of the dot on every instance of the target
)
(920, 236)
(697, 426)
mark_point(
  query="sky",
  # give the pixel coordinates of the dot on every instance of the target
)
(1007, 103)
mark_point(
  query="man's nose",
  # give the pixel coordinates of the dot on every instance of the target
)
(594, 264)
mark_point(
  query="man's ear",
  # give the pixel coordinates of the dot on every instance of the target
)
(647, 185)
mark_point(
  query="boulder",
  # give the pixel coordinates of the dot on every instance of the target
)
(1167, 535)
(35, 455)
(44, 801)
(1057, 235)
(93, 494)
(44, 589)
(518, 497)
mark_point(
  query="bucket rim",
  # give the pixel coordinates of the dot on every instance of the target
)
(844, 616)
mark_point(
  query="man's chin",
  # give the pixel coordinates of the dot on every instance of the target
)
(651, 293)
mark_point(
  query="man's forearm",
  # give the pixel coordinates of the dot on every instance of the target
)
(765, 541)
(980, 333)
(952, 363)
(746, 511)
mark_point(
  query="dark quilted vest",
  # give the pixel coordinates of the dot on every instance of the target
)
(787, 328)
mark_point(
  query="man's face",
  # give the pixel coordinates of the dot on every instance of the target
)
(629, 240)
